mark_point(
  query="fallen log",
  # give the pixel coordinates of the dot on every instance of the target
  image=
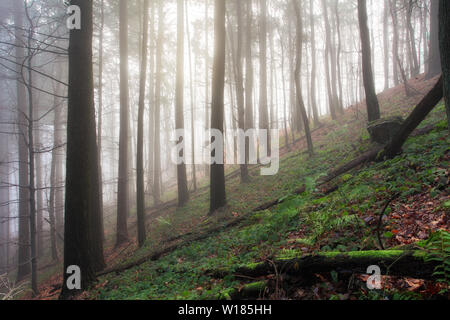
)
(391, 262)
(419, 113)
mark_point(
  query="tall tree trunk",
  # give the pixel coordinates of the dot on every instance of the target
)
(82, 190)
(301, 105)
(327, 54)
(434, 60)
(395, 41)
(386, 43)
(313, 64)
(283, 81)
(207, 79)
(32, 188)
(53, 181)
(444, 37)
(412, 38)
(151, 98)
(39, 196)
(240, 81)
(373, 108)
(217, 183)
(192, 95)
(249, 123)
(338, 56)
(100, 111)
(183, 193)
(123, 186)
(157, 153)
(24, 266)
(263, 112)
(398, 62)
(140, 192)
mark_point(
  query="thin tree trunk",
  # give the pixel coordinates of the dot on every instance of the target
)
(217, 183)
(263, 111)
(140, 192)
(327, 54)
(183, 193)
(301, 105)
(24, 266)
(386, 43)
(192, 94)
(313, 65)
(434, 60)
(123, 181)
(249, 123)
(373, 108)
(157, 153)
(100, 112)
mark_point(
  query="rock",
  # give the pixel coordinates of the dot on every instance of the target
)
(383, 130)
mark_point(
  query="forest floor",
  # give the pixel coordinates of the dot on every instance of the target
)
(312, 222)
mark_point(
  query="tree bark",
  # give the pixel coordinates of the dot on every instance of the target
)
(331, 98)
(391, 262)
(373, 108)
(157, 146)
(386, 43)
(415, 118)
(82, 190)
(313, 66)
(140, 192)
(24, 266)
(217, 179)
(444, 35)
(183, 193)
(434, 59)
(123, 180)
(263, 111)
(301, 105)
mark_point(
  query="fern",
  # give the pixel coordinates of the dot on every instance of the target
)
(438, 248)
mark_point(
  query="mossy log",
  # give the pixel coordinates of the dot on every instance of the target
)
(252, 290)
(391, 262)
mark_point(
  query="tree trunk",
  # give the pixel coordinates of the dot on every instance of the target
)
(301, 105)
(82, 190)
(386, 43)
(391, 262)
(24, 266)
(412, 38)
(192, 95)
(331, 98)
(249, 123)
(444, 35)
(240, 83)
(313, 65)
(217, 196)
(263, 112)
(157, 146)
(207, 79)
(151, 107)
(415, 118)
(183, 193)
(373, 108)
(140, 192)
(100, 112)
(123, 181)
(434, 59)
(395, 40)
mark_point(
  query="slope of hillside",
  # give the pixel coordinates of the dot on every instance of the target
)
(189, 255)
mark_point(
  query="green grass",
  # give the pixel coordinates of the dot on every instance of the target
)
(328, 224)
